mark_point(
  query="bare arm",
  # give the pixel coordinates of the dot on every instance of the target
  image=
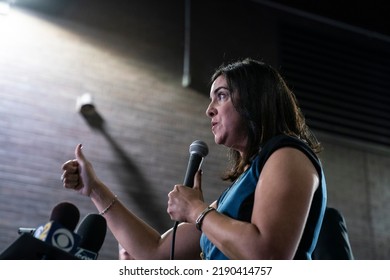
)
(139, 239)
(142, 241)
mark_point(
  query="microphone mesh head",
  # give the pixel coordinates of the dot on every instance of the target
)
(66, 214)
(199, 147)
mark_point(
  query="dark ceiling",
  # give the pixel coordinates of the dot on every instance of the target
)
(369, 15)
(342, 83)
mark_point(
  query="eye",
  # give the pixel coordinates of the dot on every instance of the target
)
(221, 96)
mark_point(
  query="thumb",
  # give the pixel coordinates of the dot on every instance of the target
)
(79, 153)
(198, 180)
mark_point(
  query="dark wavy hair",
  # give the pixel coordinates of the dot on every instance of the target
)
(262, 98)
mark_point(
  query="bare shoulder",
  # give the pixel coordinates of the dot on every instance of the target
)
(290, 162)
(288, 181)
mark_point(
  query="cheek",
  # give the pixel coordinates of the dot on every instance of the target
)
(240, 128)
(236, 124)
(236, 121)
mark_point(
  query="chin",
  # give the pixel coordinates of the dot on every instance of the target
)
(219, 141)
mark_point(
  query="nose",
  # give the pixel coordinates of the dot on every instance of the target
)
(211, 111)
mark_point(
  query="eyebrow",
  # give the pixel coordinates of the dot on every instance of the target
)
(219, 88)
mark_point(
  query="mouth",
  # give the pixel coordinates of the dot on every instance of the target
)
(213, 125)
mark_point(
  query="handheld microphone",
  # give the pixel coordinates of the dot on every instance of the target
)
(58, 232)
(198, 151)
(92, 231)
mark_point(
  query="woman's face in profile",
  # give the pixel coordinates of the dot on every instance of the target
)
(227, 124)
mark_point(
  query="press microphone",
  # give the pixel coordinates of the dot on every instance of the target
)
(198, 151)
(57, 215)
(58, 232)
(92, 231)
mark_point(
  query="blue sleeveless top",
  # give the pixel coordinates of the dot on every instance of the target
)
(237, 200)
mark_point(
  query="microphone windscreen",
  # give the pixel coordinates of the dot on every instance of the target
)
(92, 231)
(198, 150)
(66, 214)
(199, 147)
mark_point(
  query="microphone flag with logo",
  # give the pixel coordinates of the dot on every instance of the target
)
(58, 232)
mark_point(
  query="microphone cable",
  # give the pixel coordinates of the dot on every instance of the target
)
(174, 229)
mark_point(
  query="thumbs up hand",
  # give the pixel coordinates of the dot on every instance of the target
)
(78, 174)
